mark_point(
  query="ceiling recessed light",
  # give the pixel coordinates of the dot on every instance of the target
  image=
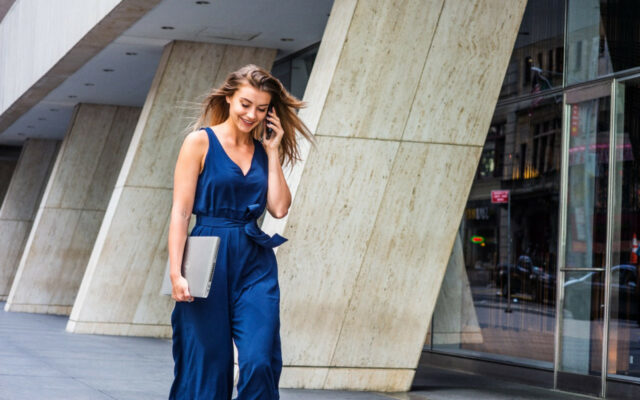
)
(286, 39)
(53, 109)
(168, 28)
(108, 70)
(72, 96)
(42, 119)
(131, 53)
(202, 2)
(89, 84)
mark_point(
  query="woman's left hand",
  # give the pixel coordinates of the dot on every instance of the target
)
(273, 122)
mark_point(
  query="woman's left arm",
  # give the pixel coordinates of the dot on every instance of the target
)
(278, 194)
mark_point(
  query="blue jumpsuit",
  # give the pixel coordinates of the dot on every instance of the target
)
(243, 303)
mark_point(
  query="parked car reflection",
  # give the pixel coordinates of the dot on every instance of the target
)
(584, 294)
(527, 281)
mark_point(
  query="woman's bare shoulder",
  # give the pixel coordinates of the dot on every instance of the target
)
(196, 141)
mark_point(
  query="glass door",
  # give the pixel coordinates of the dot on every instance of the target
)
(624, 326)
(582, 279)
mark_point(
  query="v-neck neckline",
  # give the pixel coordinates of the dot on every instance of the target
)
(253, 156)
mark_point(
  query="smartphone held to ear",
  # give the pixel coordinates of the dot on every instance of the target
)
(269, 130)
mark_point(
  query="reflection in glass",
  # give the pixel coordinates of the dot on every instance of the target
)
(587, 191)
(624, 326)
(522, 153)
(602, 37)
(536, 63)
(583, 306)
(582, 322)
(294, 70)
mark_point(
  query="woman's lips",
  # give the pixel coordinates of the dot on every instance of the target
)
(246, 122)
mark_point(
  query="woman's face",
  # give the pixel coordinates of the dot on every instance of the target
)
(248, 107)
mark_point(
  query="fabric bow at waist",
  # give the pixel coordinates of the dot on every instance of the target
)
(248, 222)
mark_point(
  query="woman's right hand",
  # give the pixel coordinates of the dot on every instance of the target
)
(180, 290)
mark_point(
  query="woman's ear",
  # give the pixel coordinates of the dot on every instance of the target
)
(228, 99)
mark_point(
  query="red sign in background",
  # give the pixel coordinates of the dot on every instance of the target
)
(499, 196)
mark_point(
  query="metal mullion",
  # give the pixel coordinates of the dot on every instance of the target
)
(562, 234)
(583, 269)
(608, 245)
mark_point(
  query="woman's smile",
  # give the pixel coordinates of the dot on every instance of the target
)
(249, 123)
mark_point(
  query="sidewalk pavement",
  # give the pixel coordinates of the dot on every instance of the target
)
(40, 360)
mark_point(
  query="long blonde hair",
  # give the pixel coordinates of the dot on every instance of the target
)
(215, 109)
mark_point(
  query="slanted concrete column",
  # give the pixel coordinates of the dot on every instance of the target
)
(120, 290)
(21, 203)
(455, 318)
(72, 208)
(400, 113)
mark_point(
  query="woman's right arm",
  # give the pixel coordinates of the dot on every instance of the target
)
(185, 179)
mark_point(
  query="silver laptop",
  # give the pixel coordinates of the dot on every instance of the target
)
(198, 264)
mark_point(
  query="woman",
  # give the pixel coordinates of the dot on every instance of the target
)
(226, 174)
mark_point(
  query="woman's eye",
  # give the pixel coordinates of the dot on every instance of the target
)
(245, 105)
(262, 110)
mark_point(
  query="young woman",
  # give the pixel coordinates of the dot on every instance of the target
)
(227, 173)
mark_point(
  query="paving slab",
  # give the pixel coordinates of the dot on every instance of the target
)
(40, 360)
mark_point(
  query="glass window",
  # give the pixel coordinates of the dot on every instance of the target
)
(294, 70)
(503, 253)
(624, 325)
(586, 236)
(602, 38)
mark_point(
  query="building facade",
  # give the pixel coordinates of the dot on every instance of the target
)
(474, 179)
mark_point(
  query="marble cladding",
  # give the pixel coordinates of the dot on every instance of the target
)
(371, 91)
(344, 183)
(357, 301)
(469, 55)
(20, 205)
(72, 207)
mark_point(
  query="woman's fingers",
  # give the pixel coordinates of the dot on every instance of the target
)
(181, 291)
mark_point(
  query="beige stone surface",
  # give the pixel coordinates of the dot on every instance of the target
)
(13, 236)
(29, 180)
(454, 319)
(119, 293)
(379, 89)
(126, 255)
(344, 183)
(370, 379)
(399, 278)
(467, 60)
(303, 377)
(73, 205)
(374, 82)
(20, 205)
(315, 96)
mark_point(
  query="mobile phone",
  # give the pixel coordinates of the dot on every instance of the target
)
(269, 130)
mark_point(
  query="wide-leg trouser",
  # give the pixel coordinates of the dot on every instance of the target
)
(243, 306)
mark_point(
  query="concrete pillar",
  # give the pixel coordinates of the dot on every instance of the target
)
(21, 203)
(72, 208)
(401, 97)
(119, 292)
(455, 320)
